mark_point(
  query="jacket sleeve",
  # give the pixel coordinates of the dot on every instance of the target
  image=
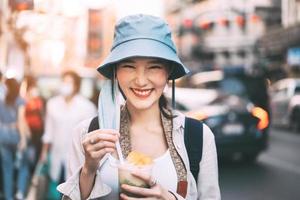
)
(48, 133)
(70, 189)
(208, 178)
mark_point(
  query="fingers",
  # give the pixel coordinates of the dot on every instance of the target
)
(98, 143)
(101, 145)
(144, 176)
(100, 153)
(155, 192)
(125, 197)
(97, 136)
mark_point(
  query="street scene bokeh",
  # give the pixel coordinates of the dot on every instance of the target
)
(244, 83)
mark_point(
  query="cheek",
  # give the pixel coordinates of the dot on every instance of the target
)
(160, 79)
(122, 79)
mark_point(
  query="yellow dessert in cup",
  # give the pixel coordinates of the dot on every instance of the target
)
(135, 162)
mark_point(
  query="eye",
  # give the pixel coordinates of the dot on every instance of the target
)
(127, 66)
(156, 67)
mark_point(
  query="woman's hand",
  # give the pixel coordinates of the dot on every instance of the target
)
(156, 191)
(96, 144)
(22, 144)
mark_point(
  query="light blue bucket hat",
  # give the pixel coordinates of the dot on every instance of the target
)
(142, 36)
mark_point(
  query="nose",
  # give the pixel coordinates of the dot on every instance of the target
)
(141, 78)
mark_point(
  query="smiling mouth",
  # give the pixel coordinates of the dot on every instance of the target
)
(142, 93)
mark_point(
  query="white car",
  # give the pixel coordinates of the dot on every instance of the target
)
(285, 103)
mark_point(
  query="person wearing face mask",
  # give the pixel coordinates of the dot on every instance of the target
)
(63, 113)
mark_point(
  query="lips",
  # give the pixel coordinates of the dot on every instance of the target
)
(142, 93)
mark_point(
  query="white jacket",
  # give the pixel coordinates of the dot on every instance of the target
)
(206, 189)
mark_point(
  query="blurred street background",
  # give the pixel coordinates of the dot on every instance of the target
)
(244, 58)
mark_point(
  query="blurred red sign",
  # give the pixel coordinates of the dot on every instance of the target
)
(19, 5)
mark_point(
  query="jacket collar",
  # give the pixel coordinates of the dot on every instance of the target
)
(178, 121)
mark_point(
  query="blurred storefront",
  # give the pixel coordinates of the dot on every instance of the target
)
(222, 33)
(280, 44)
(13, 57)
(44, 37)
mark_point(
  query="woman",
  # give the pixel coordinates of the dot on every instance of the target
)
(34, 114)
(14, 133)
(143, 58)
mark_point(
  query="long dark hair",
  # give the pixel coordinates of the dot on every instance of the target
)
(13, 89)
(164, 107)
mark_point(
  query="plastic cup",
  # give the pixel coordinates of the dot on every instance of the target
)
(125, 176)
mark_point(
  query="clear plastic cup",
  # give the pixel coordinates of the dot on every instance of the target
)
(126, 177)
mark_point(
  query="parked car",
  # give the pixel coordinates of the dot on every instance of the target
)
(236, 109)
(285, 103)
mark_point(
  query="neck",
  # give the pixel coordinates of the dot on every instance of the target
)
(147, 117)
(69, 98)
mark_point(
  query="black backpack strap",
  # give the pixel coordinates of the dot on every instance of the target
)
(193, 140)
(94, 125)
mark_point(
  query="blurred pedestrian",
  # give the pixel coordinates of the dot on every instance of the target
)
(63, 113)
(14, 133)
(34, 113)
(142, 60)
(2, 87)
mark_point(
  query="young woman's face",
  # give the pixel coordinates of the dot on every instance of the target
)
(142, 81)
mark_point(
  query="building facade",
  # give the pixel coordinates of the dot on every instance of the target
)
(222, 33)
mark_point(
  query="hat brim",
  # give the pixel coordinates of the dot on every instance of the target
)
(142, 48)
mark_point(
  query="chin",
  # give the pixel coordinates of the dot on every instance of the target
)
(143, 105)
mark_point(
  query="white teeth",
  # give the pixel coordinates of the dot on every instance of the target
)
(142, 92)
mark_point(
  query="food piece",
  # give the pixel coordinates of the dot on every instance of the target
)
(139, 159)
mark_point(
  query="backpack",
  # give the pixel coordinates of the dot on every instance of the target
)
(193, 140)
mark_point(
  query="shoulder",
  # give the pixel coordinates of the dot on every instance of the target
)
(83, 100)
(20, 101)
(82, 128)
(54, 100)
(2, 102)
(179, 121)
(208, 135)
(2, 106)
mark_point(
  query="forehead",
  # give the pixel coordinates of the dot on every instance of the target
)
(136, 60)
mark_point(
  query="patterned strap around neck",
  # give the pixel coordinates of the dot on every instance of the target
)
(167, 127)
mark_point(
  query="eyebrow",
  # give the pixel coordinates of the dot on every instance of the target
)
(154, 61)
